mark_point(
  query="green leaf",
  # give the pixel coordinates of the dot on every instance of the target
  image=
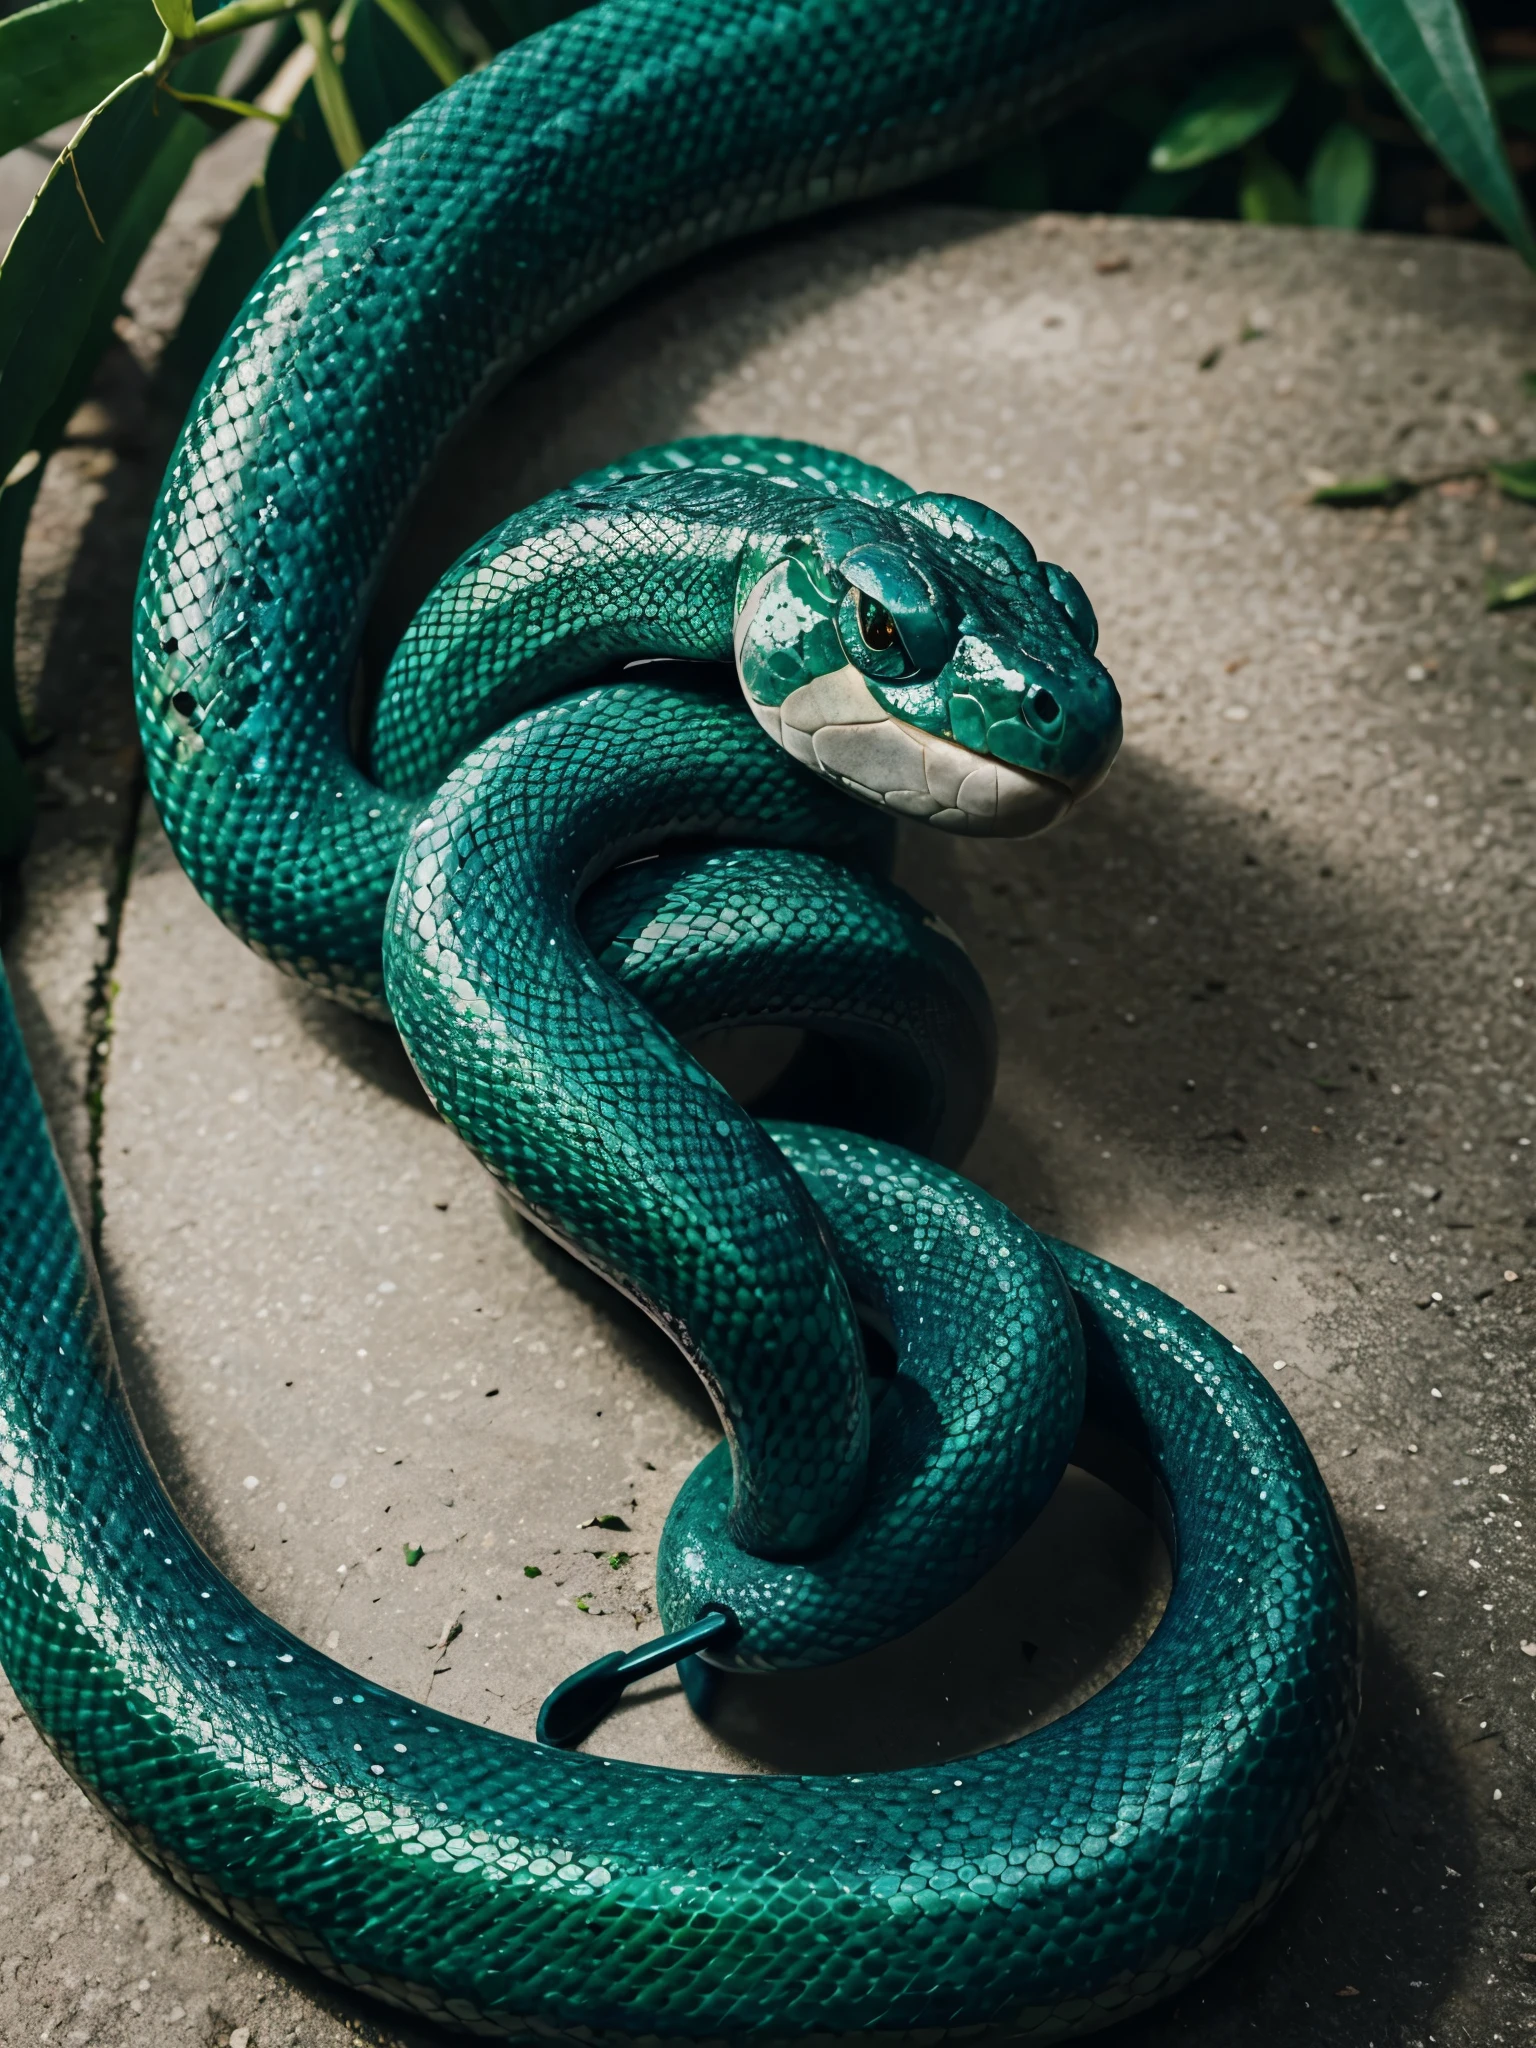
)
(237, 110)
(1503, 597)
(1341, 178)
(17, 806)
(178, 17)
(1268, 192)
(59, 60)
(75, 250)
(1225, 110)
(1380, 489)
(1424, 52)
(533, 1571)
(1515, 479)
(60, 287)
(412, 1553)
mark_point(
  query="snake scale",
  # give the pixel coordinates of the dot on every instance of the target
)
(571, 845)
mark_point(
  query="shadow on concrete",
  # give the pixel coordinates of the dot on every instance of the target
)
(368, 1047)
(1370, 1937)
(645, 1345)
(1047, 1627)
(1153, 964)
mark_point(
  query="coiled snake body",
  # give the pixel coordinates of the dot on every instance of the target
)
(482, 881)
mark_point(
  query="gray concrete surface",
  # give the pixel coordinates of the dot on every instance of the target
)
(1265, 1013)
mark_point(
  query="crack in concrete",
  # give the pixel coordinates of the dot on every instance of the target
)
(102, 994)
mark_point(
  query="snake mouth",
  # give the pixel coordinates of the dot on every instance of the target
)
(835, 726)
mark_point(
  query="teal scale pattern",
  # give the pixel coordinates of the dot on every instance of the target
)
(551, 893)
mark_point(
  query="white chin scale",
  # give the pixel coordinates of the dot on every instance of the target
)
(836, 727)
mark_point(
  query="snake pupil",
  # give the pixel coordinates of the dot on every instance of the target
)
(876, 625)
(1045, 707)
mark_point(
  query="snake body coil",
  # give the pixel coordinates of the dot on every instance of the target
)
(552, 869)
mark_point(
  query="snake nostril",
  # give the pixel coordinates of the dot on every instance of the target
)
(184, 702)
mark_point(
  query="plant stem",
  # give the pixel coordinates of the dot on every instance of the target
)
(230, 20)
(425, 36)
(243, 110)
(335, 107)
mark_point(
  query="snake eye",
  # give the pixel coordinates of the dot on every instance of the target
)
(877, 629)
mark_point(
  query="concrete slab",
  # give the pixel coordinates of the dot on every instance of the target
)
(1265, 1014)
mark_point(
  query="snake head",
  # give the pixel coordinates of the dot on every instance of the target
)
(920, 655)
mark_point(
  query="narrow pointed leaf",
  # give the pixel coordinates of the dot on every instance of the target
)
(60, 256)
(1504, 597)
(61, 284)
(1227, 109)
(1341, 178)
(177, 16)
(1380, 489)
(1423, 50)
